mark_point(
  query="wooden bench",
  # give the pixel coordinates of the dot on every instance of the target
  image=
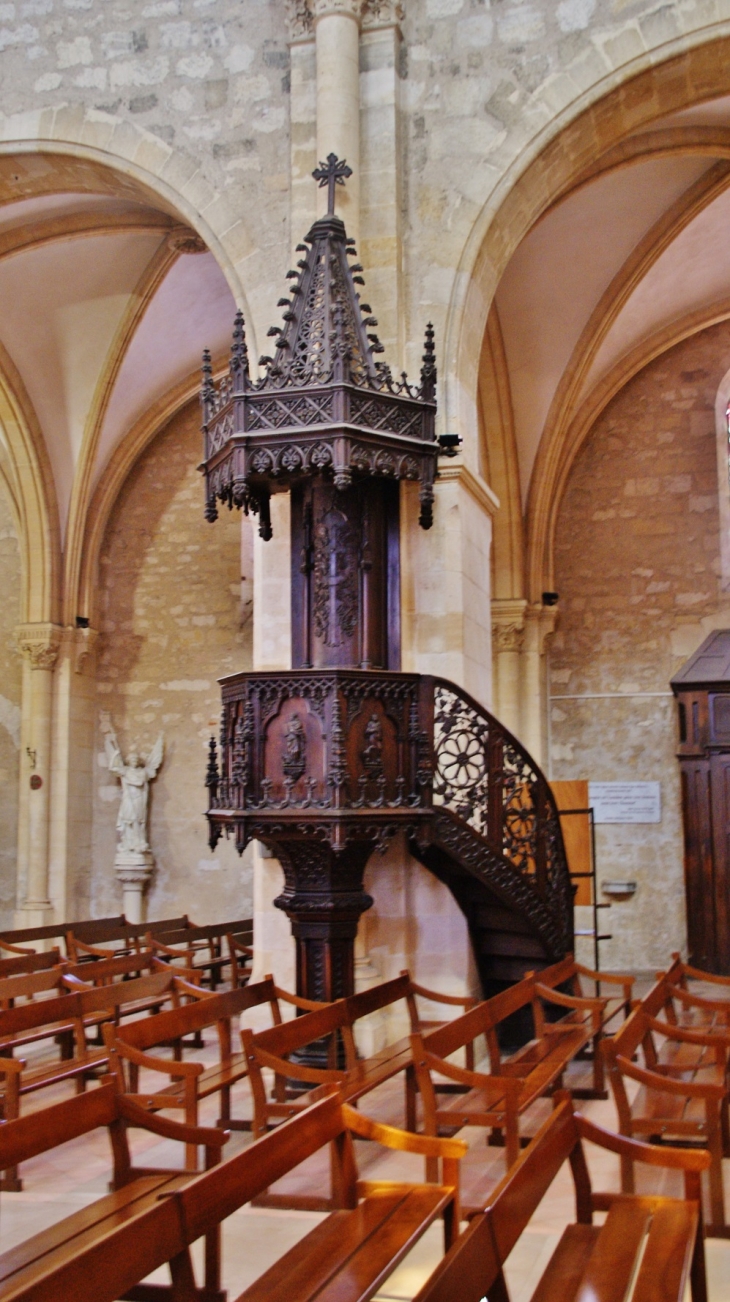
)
(104, 940)
(568, 976)
(647, 1250)
(28, 963)
(189, 1082)
(691, 1009)
(498, 1098)
(23, 936)
(193, 942)
(343, 1259)
(356, 1076)
(69, 1013)
(684, 1088)
(72, 1259)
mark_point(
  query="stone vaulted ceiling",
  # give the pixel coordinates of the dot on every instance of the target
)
(106, 303)
(633, 258)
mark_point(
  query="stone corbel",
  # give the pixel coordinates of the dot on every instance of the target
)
(540, 624)
(39, 644)
(85, 640)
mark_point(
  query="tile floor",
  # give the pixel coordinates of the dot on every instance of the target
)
(72, 1176)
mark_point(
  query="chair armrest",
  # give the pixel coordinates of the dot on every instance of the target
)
(498, 1085)
(309, 1005)
(210, 1137)
(158, 948)
(11, 1066)
(683, 1159)
(568, 1001)
(75, 983)
(296, 1070)
(696, 974)
(15, 949)
(699, 1001)
(612, 978)
(402, 1140)
(456, 1001)
(664, 1085)
(177, 1070)
(687, 1035)
(183, 984)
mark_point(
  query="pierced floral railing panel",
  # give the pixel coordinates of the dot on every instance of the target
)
(461, 757)
(484, 778)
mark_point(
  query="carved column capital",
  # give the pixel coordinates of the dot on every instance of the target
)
(325, 8)
(508, 624)
(39, 643)
(383, 13)
(303, 14)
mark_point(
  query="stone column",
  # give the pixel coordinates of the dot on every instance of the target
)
(74, 705)
(539, 624)
(39, 644)
(337, 35)
(508, 636)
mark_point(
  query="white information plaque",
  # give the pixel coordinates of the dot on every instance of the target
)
(626, 802)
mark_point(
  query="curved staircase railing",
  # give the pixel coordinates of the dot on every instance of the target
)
(494, 812)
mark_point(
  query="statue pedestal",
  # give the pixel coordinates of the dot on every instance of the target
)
(134, 869)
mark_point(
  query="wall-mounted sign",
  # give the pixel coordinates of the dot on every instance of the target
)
(625, 802)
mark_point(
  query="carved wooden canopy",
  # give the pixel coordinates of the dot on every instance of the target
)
(323, 405)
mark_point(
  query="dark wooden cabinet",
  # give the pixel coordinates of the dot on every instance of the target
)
(702, 689)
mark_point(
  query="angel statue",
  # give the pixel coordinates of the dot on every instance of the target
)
(135, 777)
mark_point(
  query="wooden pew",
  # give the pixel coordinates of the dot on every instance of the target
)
(192, 942)
(356, 1076)
(684, 1088)
(74, 1258)
(57, 930)
(570, 975)
(63, 1014)
(496, 1099)
(708, 1012)
(656, 1241)
(189, 1082)
(102, 939)
(344, 1259)
(28, 963)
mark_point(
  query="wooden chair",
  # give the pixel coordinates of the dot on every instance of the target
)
(194, 943)
(569, 976)
(76, 1258)
(655, 1243)
(496, 1099)
(24, 936)
(188, 1082)
(684, 1089)
(710, 1012)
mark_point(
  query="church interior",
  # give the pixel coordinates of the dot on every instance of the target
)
(364, 650)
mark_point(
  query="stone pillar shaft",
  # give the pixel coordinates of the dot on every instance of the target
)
(337, 34)
(39, 644)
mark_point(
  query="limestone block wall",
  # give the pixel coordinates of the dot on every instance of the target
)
(175, 615)
(638, 572)
(11, 673)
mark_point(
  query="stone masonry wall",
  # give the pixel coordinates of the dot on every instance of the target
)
(637, 569)
(175, 617)
(10, 697)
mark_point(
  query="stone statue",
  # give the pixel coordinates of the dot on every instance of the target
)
(135, 777)
(133, 860)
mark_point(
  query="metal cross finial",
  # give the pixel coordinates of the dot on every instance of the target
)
(334, 172)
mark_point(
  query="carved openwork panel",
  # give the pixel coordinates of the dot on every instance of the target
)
(493, 790)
